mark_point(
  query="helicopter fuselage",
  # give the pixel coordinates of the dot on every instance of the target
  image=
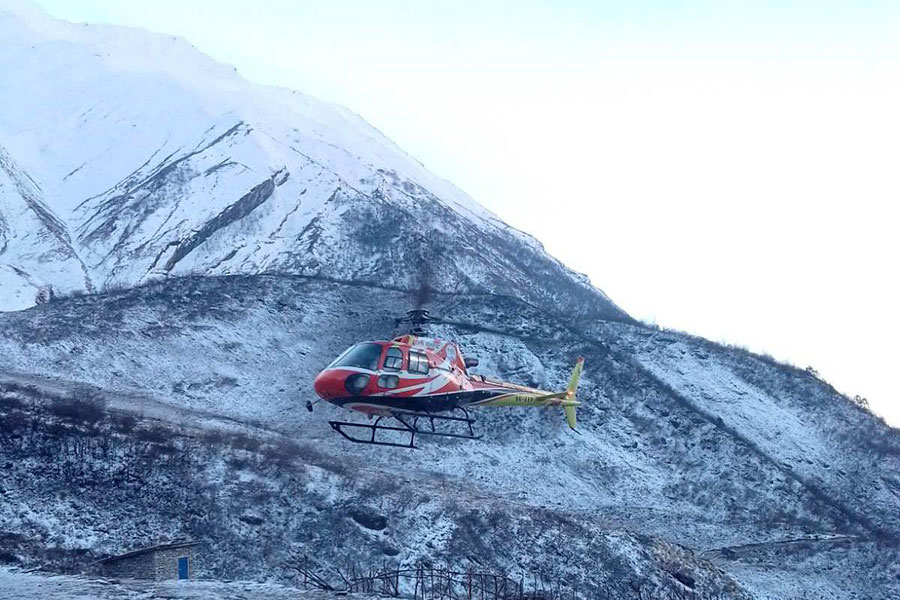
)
(412, 383)
(408, 374)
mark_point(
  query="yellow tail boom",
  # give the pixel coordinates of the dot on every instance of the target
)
(531, 397)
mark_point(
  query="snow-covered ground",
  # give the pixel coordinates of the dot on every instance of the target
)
(654, 457)
(16, 584)
(258, 505)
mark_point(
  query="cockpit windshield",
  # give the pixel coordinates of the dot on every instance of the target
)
(363, 356)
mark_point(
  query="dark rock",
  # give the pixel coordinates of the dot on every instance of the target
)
(684, 579)
(368, 519)
(252, 519)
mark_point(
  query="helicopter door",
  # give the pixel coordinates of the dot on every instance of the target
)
(393, 359)
(393, 362)
(418, 363)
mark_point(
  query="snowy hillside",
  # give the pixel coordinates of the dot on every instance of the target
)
(221, 450)
(233, 239)
(21, 585)
(674, 447)
(128, 156)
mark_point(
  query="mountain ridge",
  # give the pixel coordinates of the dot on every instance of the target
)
(213, 244)
(141, 152)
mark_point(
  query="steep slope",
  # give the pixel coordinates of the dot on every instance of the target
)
(159, 162)
(790, 416)
(35, 249)
(261, 505)
(777, 503)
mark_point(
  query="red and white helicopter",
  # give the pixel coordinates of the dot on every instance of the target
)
(416, 382)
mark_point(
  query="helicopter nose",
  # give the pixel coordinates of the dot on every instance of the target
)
(328, 385)
(333, 384)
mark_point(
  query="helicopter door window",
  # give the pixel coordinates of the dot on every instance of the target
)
(393, 360)
(418, 363)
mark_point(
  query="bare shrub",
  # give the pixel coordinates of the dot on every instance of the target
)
(237, 464)
(13, 423)
(78, 411)
(282, 452)
(154, 435)
(8, 403)
(124, 423)
(213, 437)
(242, 441)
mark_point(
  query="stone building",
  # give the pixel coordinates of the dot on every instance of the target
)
(173, 560)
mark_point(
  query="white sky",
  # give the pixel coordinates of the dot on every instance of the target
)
(727, 168)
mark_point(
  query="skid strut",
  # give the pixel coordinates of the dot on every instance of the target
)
(411, 423)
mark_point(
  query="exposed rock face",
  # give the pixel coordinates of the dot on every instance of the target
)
(36, 252)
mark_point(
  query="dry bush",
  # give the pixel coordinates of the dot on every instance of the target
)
(78, 411)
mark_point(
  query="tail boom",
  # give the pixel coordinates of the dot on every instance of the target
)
(566, 399)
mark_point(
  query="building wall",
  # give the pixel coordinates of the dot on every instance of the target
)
(160, 565)
(166, 563)
(138, 567)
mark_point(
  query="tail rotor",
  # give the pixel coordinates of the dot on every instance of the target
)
(569, 402)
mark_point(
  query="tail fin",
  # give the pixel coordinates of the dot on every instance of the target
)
(569, 403)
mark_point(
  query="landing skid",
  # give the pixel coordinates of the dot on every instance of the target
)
(409, 425)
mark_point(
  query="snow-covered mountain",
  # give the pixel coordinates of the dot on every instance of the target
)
(238, 237)
(127, 156)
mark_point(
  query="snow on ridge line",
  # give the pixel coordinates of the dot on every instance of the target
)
(129, 48)
(175, 57)
(99, 108)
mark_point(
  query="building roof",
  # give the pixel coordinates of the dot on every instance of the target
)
(157, 548)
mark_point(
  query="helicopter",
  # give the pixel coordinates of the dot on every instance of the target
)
(414, 385)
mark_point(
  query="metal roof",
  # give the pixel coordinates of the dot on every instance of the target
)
(157, 548)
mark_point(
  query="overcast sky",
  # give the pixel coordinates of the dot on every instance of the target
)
(731, 169)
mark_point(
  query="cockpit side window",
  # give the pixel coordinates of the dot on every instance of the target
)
(393, 360)
(363, 356)
(418, 362)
